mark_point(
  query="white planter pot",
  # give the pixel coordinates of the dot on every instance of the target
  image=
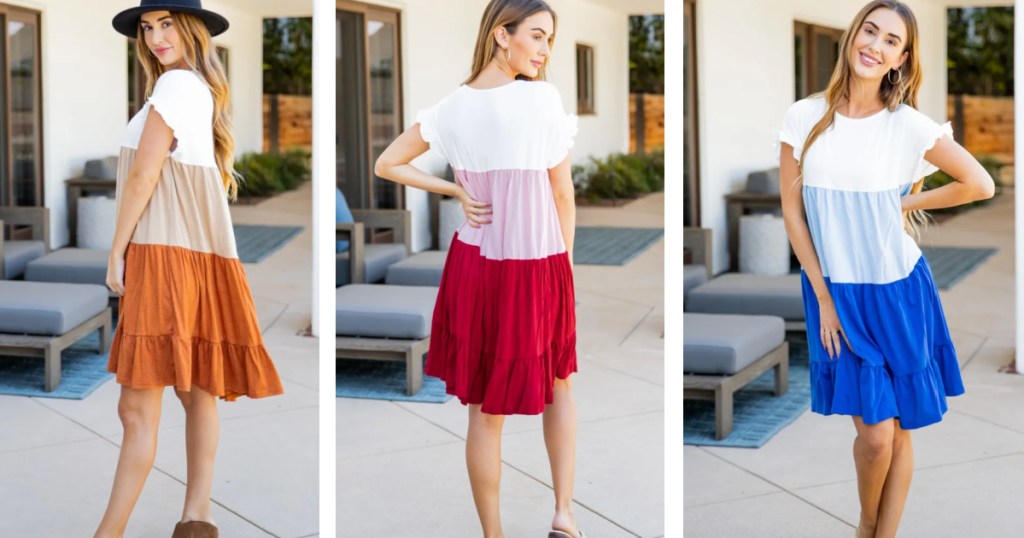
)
(764, 245)
(97, 218)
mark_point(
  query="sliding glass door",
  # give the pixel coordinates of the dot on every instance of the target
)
(21, 171)
(369, 101)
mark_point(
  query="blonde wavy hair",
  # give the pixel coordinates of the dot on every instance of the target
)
(201, 56)
(507, 13)
(893, 95)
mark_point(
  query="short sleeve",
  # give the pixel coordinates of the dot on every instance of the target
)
(923, 132)
(171, 97)
(793, 130)
(564, 127)
(427, 118)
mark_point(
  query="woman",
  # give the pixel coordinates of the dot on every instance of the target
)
(186, 317)
(503, 335)
(879, 346)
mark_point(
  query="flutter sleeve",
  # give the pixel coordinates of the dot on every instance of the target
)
(793, 130)
(922, 132)
(563, 128)
(172, 94)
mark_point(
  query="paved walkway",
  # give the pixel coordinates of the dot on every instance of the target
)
(969, 475)
(57, 457)
(401, 468)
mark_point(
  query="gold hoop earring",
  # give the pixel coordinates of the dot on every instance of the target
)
(508, 55)
(899, 79)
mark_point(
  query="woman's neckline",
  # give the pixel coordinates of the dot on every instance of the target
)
(874, 115)
(468, 87)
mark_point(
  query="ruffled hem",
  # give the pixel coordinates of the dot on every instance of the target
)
(848, 386)
(220, 368)
(503, 330)
(501, 385)
(902, 364)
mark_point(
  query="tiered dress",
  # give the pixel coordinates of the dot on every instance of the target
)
(187, 316)
(504, 325)
(903, 363)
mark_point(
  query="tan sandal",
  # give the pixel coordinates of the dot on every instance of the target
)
(555, 533)
(194, 529)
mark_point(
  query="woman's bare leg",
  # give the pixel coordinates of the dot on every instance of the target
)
(202, 430)
(872, 454)
(897, 484)
(139, 410)
(560, 439)
(483, 460)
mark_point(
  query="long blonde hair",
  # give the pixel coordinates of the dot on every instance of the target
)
(893, 95)
(507, 13)
(201, 56)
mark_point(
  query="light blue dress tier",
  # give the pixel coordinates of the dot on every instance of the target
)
(903, 363)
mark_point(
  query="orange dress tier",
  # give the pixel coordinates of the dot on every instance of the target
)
(187, 316)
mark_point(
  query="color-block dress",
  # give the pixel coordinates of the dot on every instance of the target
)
(187, 316)
(903, 363)
(504, 325)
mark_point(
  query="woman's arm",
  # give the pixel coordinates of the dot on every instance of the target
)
(796, 222)
(972, 181)
(803, 246)
(565, 201)
(154, 143)
(393, 164)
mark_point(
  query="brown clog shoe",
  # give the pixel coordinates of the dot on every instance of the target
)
(194, 529)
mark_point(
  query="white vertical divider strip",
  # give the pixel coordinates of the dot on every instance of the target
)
(673, 355)
(1018, 190)
(324, 103)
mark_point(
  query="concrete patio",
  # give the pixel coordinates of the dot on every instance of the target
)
(59, 456)
(969, 468)
(401, 468)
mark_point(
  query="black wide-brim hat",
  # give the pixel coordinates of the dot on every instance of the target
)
(127, 21)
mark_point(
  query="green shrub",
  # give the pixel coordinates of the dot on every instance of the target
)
(266, 173)
(620, 175)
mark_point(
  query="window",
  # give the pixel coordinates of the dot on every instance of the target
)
(816, 49)
(369, 101)
(691, 179)
(584, 79)
(21, 159)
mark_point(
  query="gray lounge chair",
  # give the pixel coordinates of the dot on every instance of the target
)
(15, 255)
(368, 262)
(723, 353)
(41, 319)
(386, 323)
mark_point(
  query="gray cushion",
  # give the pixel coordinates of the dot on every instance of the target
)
(763, 181)
(46, 307)
(725, 343)
(422, 269)
(384, 311)
(742, 293)
(378, 257)
(105, 168)
(73, 265)
(693, 276)
(17, 254)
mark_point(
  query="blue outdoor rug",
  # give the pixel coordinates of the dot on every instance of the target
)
(612, 246)
(951, 264)
(383, 380)
(256, 242)
(83, 370)
(757, 414)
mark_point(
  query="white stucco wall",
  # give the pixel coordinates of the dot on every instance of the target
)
(437, 49)
(85, 88)
(745, 77)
